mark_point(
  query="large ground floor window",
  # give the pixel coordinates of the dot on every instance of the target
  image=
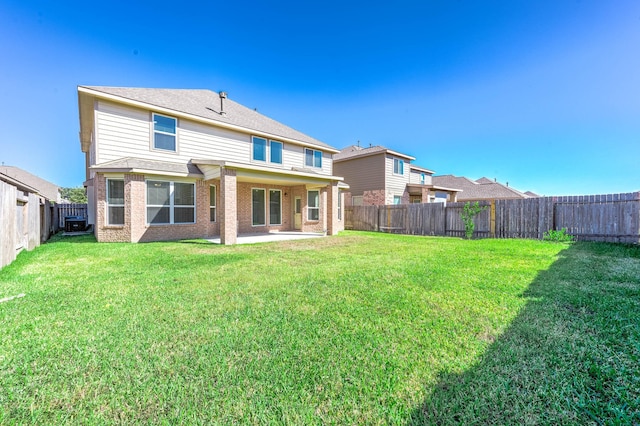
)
(115, 201)
(260, 203)
(275, 207)
(258, 207)
(313, 205)
(170, 202)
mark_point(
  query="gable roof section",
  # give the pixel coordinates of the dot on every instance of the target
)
(354, 151)
(421, 169)
(45, 188)
(204, 105)
(485, 180)
(482, 189)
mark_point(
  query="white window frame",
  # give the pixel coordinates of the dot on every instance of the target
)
(109, 205)
(397, 199)
(313, 158)
(154, 131)
(423, 178)
(264, 206)
(280, 206)
(313, 208)
(398, 167)
(172, 204)
(212, 203)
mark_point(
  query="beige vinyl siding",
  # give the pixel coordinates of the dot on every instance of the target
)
(396, 184)
(292, 156)
(197, 140)
(362, 174)
(120, 132)
(124, 131)
(414, 177)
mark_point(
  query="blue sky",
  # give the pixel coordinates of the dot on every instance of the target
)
(544, 95)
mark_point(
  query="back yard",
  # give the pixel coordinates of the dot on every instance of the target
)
(360, 328)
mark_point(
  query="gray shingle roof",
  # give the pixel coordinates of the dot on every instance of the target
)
(206, 104)
(358, 151)
(131, 163)
(45, 188)
(482, 189)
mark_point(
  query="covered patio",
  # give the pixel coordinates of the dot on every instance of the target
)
(271, 237)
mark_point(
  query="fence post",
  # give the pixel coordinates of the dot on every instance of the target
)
(492, 226)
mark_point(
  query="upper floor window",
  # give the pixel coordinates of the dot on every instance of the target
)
(312, 158)
(276, 152)
(422, 178)
(259, 149)
(164, 132)
(263, 150)
(398, 166)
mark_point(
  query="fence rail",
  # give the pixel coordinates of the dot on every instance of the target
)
(611, 217)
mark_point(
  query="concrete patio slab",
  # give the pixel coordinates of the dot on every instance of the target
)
(270, 237)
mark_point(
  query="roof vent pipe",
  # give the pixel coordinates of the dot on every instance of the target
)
(223, 96)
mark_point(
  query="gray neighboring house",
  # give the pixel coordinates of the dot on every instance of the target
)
(45, 189)
(483, 189)
(379, 176)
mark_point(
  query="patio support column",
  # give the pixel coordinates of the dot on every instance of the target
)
(332, 208)
(229, 206)
(425, 195)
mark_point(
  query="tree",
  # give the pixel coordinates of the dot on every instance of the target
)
(74, 195)
(469, 212)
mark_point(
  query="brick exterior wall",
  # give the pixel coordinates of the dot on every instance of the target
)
(374, 198)
(238, 199)
(245, 215)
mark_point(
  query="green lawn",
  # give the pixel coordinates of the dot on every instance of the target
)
(360, 328)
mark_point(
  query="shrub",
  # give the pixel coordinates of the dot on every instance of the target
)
(559, 236)
(469, 212)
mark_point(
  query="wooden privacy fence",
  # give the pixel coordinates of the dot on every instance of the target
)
(613, 218)
(71, 209)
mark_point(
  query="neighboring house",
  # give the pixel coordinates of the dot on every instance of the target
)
(44, 188)
(166, 164)
(483, 189)
(380, 176)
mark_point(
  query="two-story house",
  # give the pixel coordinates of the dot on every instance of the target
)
(165, 164)
(378, 176)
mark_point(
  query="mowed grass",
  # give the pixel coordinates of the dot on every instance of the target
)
(361, 328)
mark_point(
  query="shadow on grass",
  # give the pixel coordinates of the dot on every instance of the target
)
(571, 356)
